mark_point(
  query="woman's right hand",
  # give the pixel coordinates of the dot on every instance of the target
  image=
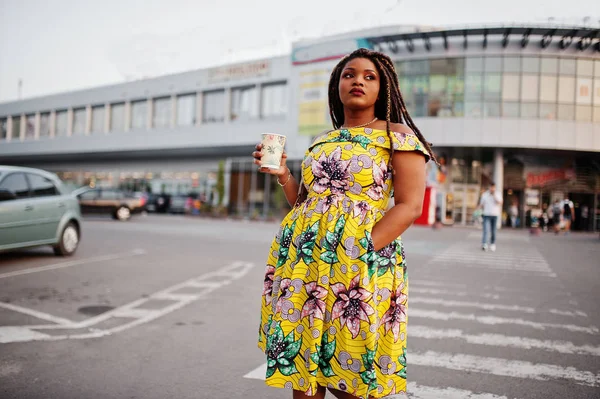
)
(257, 155)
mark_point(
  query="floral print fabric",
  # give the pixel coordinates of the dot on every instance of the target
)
(334, 310)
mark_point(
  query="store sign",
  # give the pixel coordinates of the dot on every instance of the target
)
(237, 72)
(549, 176)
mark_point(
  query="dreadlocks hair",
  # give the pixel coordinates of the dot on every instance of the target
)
(390, 105)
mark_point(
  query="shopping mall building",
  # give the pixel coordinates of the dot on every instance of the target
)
(518, 105)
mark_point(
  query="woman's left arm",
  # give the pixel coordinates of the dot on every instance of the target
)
(409, 190)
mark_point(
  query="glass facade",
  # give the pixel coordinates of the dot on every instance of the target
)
(3, 128)
(213, 106)
(244, 103)
(44, 124)
(60, 127)
(79, 119)
(139, 114)
(98, 116)
(274, 100)
(512, 86)
(186, 110)
(30, 127)
(16, 127)
(117, 117)
(161, 112)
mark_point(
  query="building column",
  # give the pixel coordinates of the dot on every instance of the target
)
(150, 113)
(127, 115)
(36, 126)
(199, 105)
(23, 127)
(70, 122)
(227, 105)
(9, 128)
(106, 118)
(173, 111)
(499, 177)
(88, 120)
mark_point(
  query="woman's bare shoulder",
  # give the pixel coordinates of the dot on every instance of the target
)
(401, 128)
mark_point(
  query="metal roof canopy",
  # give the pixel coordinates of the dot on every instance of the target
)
(567, 36)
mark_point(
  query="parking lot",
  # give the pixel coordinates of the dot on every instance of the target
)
(167, 306)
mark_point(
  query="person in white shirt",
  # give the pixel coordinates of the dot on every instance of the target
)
(491, 203)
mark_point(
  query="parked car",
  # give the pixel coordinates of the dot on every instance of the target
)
(36, 209)
(110, 201)
(158, 203)
(177, 203)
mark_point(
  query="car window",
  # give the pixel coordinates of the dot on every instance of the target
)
(16, 183)
(41, 186)
(89, 195)
(110, 194)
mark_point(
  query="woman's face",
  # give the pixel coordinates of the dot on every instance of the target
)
(359, 84)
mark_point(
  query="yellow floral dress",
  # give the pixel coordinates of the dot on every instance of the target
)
(334, 310)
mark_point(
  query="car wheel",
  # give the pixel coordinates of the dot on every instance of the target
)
(123, 213)
(69, 241)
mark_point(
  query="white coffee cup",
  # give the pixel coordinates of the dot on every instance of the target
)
(272, 150)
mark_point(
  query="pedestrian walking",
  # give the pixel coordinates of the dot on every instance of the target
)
(334, 303)
(491, 204)
(557, 211)
(568, 212)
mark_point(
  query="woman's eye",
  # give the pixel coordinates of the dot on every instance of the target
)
(370, 77)
(347, 75)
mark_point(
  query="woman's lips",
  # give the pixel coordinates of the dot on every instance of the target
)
(357, 92)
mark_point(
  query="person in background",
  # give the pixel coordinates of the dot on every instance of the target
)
(585, 213)
(556, 216)
(491, 204)
(568, 212)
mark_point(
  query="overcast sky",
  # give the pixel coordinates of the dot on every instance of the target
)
(61, 45)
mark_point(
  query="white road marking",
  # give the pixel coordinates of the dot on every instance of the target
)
(493, 320)
(36, 314)
(434, 291)
(500, 236)
(500, 340)
(19, 334)
(503, 367)
(567, 313)
(133, 309)
(415, 391)
(71, 263)
(479, 305)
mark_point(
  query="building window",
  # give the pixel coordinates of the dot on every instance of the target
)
(550, 66)
(548, 111)
(596, 115)
(492, 84)
(596, 94)
(60, 128)
(530, 88)
(273, 100)
(585, 67)
(30, 127)
(583, 113)
(117, 117)
(512, 64)
(511, 87)
(530, 65)
(3, 128)
(583, 94)
(45, 124)
(529, 110)
(491, 109)
(566, 112)
(566, 66)
(597, 69)
(474, 64)
(548, 89)
(186, 110)
(244, 103)
(16, 127)
(139, 114)
(161, 112)
(98, 117)
(493, 64)
(79, 116)
(213, 106)
(473, 86)
(566, 90)
(510, 109)
(473, 109)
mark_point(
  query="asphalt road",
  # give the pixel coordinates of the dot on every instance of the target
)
(167, 307)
